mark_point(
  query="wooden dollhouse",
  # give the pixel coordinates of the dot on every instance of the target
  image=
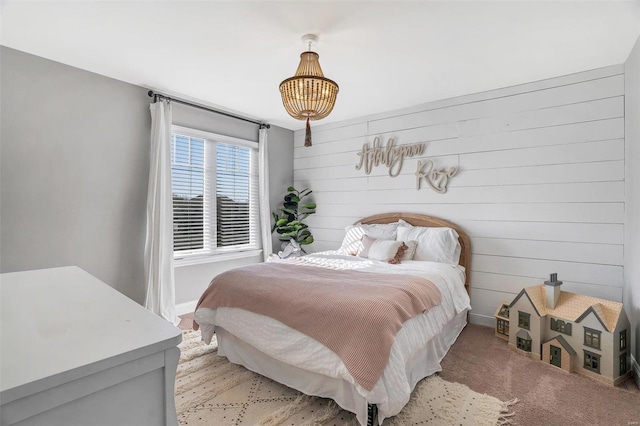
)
(571, 331)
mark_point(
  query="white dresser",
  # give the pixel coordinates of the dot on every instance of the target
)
(74, 351)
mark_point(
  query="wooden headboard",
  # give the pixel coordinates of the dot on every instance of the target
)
(423, 220)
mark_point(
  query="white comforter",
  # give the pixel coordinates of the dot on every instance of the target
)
(393, 389)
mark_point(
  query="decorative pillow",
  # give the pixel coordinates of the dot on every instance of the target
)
(410, 251)
(366, 244)
(398, 257)
(439, 244)
(352, 242)
(380, 249)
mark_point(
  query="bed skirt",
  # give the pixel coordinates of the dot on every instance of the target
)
(425, 363)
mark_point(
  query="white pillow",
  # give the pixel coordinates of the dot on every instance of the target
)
(352, 245)
(384, 250)
(380, 249)
(438, 244)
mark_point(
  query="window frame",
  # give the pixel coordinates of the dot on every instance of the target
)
(623, 363)
(504, 311)
(589, 334)
(523, 344)
(592, 357)
(502, 326)
(214, 254)
(561, 326)
(522, 318)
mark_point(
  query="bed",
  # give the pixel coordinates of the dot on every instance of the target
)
(269, 344)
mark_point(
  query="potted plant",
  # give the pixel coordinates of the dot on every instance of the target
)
(289, 223)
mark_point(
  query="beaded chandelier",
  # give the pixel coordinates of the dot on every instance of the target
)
(309, 95)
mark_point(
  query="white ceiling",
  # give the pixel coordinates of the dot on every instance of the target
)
(384, 55)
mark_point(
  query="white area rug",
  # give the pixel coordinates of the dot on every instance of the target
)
(212, 391)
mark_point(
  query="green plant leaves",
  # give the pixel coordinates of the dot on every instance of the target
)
(304, 234)
(289, 223)
(290, 205)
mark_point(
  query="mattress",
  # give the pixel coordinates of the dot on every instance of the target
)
(271, 348)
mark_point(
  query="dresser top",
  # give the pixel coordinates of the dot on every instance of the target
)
(62, 323)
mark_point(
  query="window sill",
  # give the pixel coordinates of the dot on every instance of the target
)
(197, 260)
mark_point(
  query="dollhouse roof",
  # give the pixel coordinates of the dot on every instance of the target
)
(563, 342)
(574, 307)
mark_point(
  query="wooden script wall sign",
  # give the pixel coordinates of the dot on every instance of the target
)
(392, 156)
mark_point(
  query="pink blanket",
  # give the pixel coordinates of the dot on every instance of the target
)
(355, 314)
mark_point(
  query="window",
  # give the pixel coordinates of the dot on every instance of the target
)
(215, 193)
(504, 311)
(561, 326)
(623, 340)
(524, 344)
(591, 338)
(503, 327)
(623, 363)
(524, 320)
(592, 361)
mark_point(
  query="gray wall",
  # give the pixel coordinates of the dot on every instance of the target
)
(632, 207)
(74, 171)
(540, 187)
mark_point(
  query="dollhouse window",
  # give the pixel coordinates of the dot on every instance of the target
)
(504, 311)
(592, 361)
(503, 327)
(524, 320)
(623, 340)
(523, 344)
(561, 326)
(591, 338)
(623, 363)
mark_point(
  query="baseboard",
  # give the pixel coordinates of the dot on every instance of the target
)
(636, 370)
(479, 319)
(186, 308)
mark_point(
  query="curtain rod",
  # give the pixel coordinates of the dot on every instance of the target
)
(157, 96)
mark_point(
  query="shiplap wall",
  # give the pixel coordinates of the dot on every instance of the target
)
(540, 187)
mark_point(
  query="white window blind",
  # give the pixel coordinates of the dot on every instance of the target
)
(215, 195)
(187, 183)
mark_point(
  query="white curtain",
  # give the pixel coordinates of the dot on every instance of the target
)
(158, 250)
(265, 209)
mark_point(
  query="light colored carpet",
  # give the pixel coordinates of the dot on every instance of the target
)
(212, 391)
